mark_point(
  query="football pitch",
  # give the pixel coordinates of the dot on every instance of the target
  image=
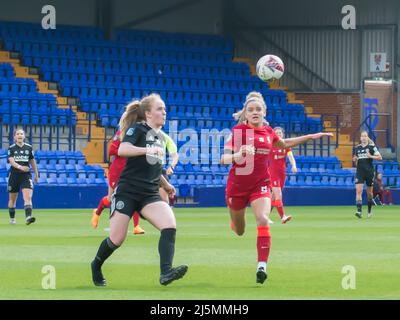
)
(306, 262)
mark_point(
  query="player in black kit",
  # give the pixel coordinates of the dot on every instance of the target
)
(138, 187)
(365, 153)
(20, 156)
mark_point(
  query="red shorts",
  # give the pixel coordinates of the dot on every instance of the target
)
(239, 200)
(278, 180)
(113, 178)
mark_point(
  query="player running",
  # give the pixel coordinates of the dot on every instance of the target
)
(20, 156)
(364, 155)
(277, 168)
(138, 187)
(249, 180)
(118, 165)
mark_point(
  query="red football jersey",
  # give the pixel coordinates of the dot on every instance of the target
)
(118, 163)
(277, 160)
(254, 169)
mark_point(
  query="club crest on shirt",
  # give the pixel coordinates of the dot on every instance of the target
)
(120, 205)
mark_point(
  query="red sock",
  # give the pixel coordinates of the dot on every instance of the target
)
(279, 207)
(263, 243)
(136, 218)
(273, 204)
(104, 203)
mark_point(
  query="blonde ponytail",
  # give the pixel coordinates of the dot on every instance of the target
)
(135, 111)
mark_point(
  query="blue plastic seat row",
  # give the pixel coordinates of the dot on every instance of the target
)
(174, 96)
(140, 59)
(165, 83)
(107, 48)
(37, 119)
(26, 108)
(70, 181)
(127, 72)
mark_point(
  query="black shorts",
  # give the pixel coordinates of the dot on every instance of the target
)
(129, 202)
(367, 177)
(18, 181)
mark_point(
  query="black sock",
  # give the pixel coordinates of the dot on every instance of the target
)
(359, 206)
(369, 205)
(28, 211)
(166, 249)
(11, 212)
(105, 250)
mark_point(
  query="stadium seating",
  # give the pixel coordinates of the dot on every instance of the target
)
(60, 168)
(22, 104)
(194, 74)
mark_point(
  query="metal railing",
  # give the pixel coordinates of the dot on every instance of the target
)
(369, 123)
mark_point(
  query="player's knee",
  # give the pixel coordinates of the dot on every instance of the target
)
(117, 239)
(262, 221)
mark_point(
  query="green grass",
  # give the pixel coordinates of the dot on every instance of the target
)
(305, 263)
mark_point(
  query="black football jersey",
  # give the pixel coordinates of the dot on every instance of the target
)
(22, 155)
(142, 173)
(364, 163)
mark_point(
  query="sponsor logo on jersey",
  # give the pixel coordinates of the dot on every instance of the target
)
(130, 131)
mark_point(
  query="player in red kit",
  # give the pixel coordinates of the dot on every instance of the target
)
(249, 181)
(277, 169)
(117, 166)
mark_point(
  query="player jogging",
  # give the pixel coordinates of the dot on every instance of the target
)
(117, 166)
(364, 155)
(277, 168)
(138, 187)
(249, 179)
(20, 156)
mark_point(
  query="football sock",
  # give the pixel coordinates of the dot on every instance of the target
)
(359, 205)
(136, 218)
(28, 211)
(166, 249)
(104, 203)
(262, 265)
(11, 212)
(369, 205)
(279, 208)
(273, 204)
(105, 250)
(263, 243)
